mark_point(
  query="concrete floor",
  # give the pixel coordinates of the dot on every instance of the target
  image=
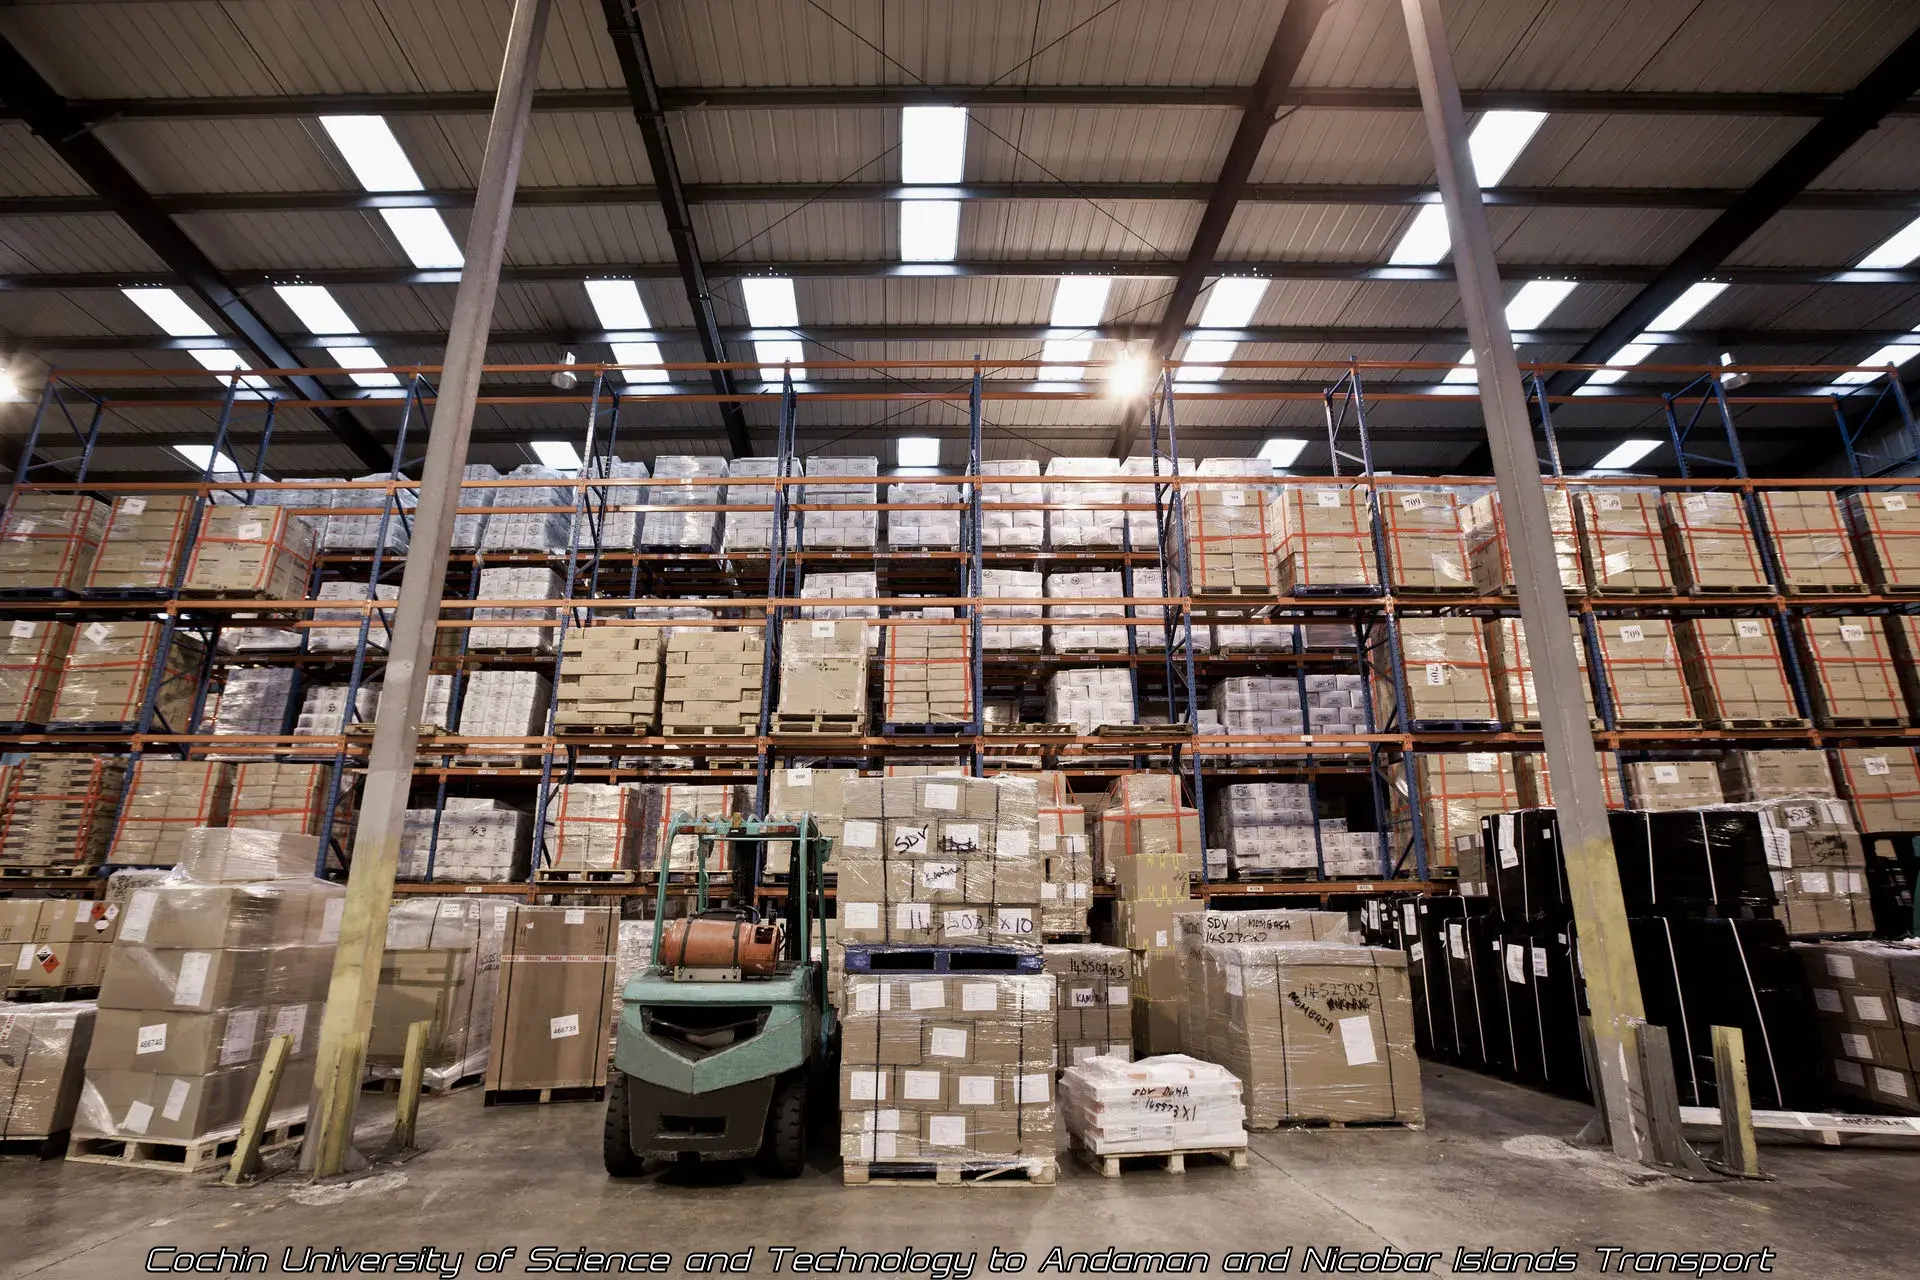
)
(1488, 1171)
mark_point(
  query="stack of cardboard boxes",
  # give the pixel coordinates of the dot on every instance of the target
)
(474, 492)
(929, 671)
(480, 841)
(1673, 784)
(609, 678)
(166, 801)
(1752, 776)
(1150, 634)
(49, 944)
(1443, 664)
(1620, 541)
(51, 539)
(843, 528)
(1202, 992)
(1811, 545)
(1513, 688)
(591, 826)
(661, 803)
(1819, 867)
(1456, 789)
(711, 679)
(1866, 998)
(823, 674)
(1150, 843)
(1066, 887)
(1426, 545)
(1096, 1001)
(948, 1068)
(1883, 785)
(140, 547)
(1079, 636)
(261, 552)
(800, 790)
(939, 859)
(1851, 671)
(1491, 560)
(32, 656)
(1012, 584)
(555, 1003)
(1712, 543)
(1114, 1109)
(1645, 678)
(1012, 528)
(363, 518)
(1734, 673)
(271, 796)
(60, 810)
(207, 969)
(441, 966)
(1888, 527)
(1535, 780)
(1229, 541)
(1090, 514)
(1143, 524)
(327, 709)
(843, 586)
(110, 667)
(1088, 698)
(1325, 539)
(1266, 827)
(43, 1053)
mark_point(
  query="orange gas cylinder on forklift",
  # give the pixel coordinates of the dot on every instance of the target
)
(752, 947)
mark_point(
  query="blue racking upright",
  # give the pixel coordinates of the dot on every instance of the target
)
(1176, 581)
(783, 581)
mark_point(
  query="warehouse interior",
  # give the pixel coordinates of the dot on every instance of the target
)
(1278, 635)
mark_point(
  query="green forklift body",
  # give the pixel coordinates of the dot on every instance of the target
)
(698, 1037)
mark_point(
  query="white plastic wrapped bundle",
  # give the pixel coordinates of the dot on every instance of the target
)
(510, 529)
(683, 530)
(435, 711)
(480, 842)
(343, 639)
(254, 701)
(841, 528)
(1242, 470)
(504, 704)
(1254, 637)
(324, 713)
(303, 499)
(1097, 522)
(520, 582)
(1143, 529)
(1090, 697)
(1266, 826)
(842, 586)
(619, 530)
(362, 532)
(750, 530)
(669, 612)
(1082, 638)
(910, 529)
(1012, 584)
(1150, 636)
(467, 529)
(259, 639)
(1012, 528)
(1168, 1103)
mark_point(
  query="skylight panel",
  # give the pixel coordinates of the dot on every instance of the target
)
(1626, 453)
(617, 305)
(933, 144)
(929, 230)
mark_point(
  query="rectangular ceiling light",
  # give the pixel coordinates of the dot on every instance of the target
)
(1672, 320)
(1894, 353)
(424, 238)
(1282, 452)
(557, 455)
(771, 305)
(933, 144)
(1495, 143)
(918, 451)
(316, 308)
(1529, 309)
(1078, 303)
(929, 230)
(1896, 251)
(368, 146)
(200, 455)
(178, 320)
(618, 306)
(1626, 453)
(1231, 304)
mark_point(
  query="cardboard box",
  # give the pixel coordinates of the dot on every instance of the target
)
(823, 669)
(1325, 537)
(1444, 666)
(54, 964)
(1489, 558)
(142, 1104)
(1711, 542)
(260, 551)
(1645, 678)
(1673, 784)
(1883, 785)
(141, 543)
(167, 799)
(1812, 548)
(1456, 790)
(50, 540)
(1886, 525)
(32, 656)
(556, 988)
(189, 981)
(110, 666)
(1621, 543)
(1512, 673)
(1852, 671)
(60, 810)
(1425, 540)
(43, 1051)
(1775, 775)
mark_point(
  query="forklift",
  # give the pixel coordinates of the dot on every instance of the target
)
(725, 1034)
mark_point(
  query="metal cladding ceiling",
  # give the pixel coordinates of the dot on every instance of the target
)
(1110, 179)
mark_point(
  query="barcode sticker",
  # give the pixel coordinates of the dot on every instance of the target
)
(1852, 633)
(1632, 634)
(561, 1028)
(1539, 962)
(1875, 765)
(1750, 628)
(1327, 497)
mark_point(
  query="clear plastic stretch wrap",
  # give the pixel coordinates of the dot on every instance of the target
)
(907, 530)
(166, 801)
(1711, 542)
(928, 676)
(1169, 1103)
(1143, 525)
(1645, 677)
(110, 667)
(840, 528)
(211, 963)
(324, 711)
(480, 842)
(1888, 525)
(140, 547)
(1066, 852)
(1326, 539)
(1620, 541)
(442, 966)
(1883, 785)
(1200, 1033)
(1513, 687)
(1088, 697)
(750, 530)
(474, 492)
(683, 530)
(842, 586)
(32, 656)
(1012, 528)
(1318, 1031)
(1852, 668)
(43, 1052)
(1081, 637)
(520, 582)
(592, 826)
(263, 552)
(511, 528)
(619, 530)
(1093, 517)
(336, 638)
(1773, 775)
(1492, 559)
(807, 789)
(1096, 1003)
(254, 702)
(939, 860)
(436, 712)
(49, 540)
(947, 1068)
(361, 532)
(505, 704)
(273, 796)
(1012, 584)
(1734, 671)
(1443, 664)
(1456, 790)
(61, 810)
(1265, 826)
(1673, 784)
(661, 802)
(823, 669)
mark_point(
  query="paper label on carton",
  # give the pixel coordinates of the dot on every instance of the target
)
(1049, 892)
(191, 986)
(913, 916)
(884, 1122)
(1077, 892)
(289, 1020)
(133, 506)
(860, 915)
(1856, 1046)
(908, 842)
(139, 1117)
(1436, 673)
(944, 796)
(979, 997)
(1408, 921)
(1236, 985)
(800, 776)
(1607, 501)
(1849, 1073)
(1539, 962)
(1852, 633)
(920, 1086)
(575, 915)
(1814, 882)
(1695, 504)
(1631, 634)
(976, 1091)
(1666, 774)
(251, 530)
(1082, 997)
(1875, 765)
(963, 922)
(1048, 842)
(97, 632)
(872, 997)
(927, 995)
(867, 1086)
(236, 1045)
(561, 1028)
(26, 957)
(151, 1039)
(330, 917)
(1750, 628)
(1482, 762)
(1893, 1082)
(960, 837)
(1036, 1086)
(946, 1131)
(1160, 938)
(1413, 501)
(177, 1094)
(1117, 994)
(1840, 966)
(1827, 1000)
(1894, 501)
(1870, 1009)
(1516, 958)
(1416, 952)
(1457, 941)
(1011, 842)
(1356, 1037)
(21, 629)
(1015, 920)
(940, 876)
(1909, 1010)
(948, 1042)
(823, 630)
(1327, 497)
(858, 834)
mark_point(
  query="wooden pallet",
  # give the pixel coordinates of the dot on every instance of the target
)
(1021, 1171)
(1861, 722)
(1410, 1125)
(1280, 875)
(627, 730)
(51, 995)
(836, 725)
(1776, 722)
(541, 1097)
(1048, 730)
(1146, 732)
(1112, 1164)
(391, 1084)
(709, 731)
(1827, 589)
(1630, 592)
(48, 871)
(50, 1147)
(620, 875)
(158, 1155)
(1626, 723)
(1743, 589)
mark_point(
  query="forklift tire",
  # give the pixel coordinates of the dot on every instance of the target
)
(783, 1153)
(616, 1138)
